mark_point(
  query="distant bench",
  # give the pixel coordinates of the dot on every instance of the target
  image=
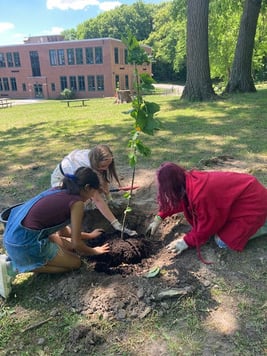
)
(5, 103)
(68, 101)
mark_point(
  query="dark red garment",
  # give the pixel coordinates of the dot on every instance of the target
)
(231, 205)
(50, 210)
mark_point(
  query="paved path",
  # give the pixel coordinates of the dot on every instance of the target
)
(170, 88)
(25, 101)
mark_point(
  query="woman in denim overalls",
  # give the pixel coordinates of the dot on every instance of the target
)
(52, 249)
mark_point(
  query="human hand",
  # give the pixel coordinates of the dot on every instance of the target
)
(152, 228)
(177, 246)
(95, 233)
(118, 226)
(99, 250)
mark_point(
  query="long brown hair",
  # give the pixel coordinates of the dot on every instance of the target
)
(102, 153)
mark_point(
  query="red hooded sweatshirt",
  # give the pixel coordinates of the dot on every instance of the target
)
(231, 205)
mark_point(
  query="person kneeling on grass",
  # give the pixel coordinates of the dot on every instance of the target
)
(37, 236)
(100, 159)
(230, 206)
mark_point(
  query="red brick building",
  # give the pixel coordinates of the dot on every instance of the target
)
(44, 66)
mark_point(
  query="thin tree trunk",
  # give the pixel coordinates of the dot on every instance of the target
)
(240, 77)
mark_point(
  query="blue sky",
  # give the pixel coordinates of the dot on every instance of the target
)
(20, 19)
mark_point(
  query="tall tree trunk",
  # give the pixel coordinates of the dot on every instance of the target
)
(198, 86)
(240, 77)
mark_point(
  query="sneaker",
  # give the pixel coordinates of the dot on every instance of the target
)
(220, 242)
(5, 278)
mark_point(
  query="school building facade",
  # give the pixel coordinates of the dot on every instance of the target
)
(44, 66)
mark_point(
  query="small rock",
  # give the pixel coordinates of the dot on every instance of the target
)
(175, 292)
(145, 313)
(121, 314)
(40, 341)
(140, 293)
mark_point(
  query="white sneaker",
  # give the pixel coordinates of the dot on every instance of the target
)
(5, 278)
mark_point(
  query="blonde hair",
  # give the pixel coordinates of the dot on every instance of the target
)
(102, 153)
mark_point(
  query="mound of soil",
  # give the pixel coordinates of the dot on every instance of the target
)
(126, 250)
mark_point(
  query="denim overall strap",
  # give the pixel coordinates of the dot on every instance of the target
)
(19, 212)
(27, 248)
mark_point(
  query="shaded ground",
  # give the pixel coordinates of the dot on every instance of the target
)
(119, 287)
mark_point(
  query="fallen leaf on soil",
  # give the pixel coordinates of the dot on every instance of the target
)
(153, 272)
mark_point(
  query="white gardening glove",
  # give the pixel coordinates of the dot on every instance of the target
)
(152, 228)
(118, 226)
(178, 246)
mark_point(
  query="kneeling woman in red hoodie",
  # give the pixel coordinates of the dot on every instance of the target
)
(230, 206)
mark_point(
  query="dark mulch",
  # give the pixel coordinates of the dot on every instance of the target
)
(126, 250)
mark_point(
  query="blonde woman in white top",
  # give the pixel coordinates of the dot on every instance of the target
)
(100, 159)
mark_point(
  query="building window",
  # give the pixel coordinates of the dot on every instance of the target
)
(16, 59)
(100, 82)
(13, 84)
(98, 55)
(53, 86)
(24, 87)
(63, 83)
(91, 83)
(1, 85)
(34, 57)
(2, 60)
(116, 55)
(125, 56)
(81, 83)
(53, 57)
(70, 55)
(89, 55)
(73, 83)
(61, 57)
(79, 55)
(6, 84)
(9, 59)
(126, 81)
(117, 81)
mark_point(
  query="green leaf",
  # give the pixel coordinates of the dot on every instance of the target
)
(153, 272)
(127, 195)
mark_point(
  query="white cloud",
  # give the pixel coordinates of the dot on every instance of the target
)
(70, 4)
(109, 5)
(53, 31)
(5, 26)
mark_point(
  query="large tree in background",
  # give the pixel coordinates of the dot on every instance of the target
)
(240, 76)
(136, 18)
(224, 21)
(198, 86)
(163, 27)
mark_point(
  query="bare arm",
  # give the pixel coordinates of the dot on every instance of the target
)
(91, 235)
(103, 207)
(77, 211)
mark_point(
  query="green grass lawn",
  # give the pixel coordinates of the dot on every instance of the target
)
(35, 137)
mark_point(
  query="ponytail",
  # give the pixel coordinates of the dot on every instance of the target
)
(83, 176)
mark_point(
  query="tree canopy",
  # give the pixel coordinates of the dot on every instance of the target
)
(163, 27)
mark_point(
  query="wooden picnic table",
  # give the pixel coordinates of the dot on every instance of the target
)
(68, 101)
(5, 103)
